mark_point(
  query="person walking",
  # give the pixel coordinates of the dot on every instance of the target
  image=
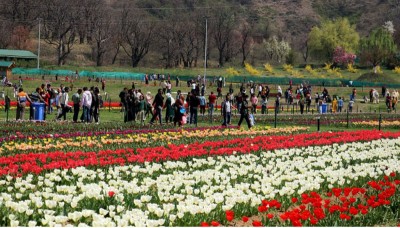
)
(96, 105)
(122, 97)
(22, 98)
(194, 104)
(158, 103)
(149, 109)
(227, 110)
(302, 103)
(254, 102)
(178, 114)
(76, 99)
(86, 103)
(202, 101)
(169, 113)
(340, 104)
(103, 85)
(244, 111)
(211, 102)
(334, 105)
(141, 109)
(277, 103)
(64, 104)
(308, 102)
(264, 103)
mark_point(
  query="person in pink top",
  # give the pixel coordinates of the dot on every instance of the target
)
(211, 102)
(254, 102)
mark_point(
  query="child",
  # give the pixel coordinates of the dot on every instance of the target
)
(263, 104)
(351, 103)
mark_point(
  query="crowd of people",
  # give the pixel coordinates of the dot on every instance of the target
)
(57, 100)
(184, 108)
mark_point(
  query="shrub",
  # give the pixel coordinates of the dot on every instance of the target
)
(232, 71)
(396, 70)
(251, 70)
(287, 67)
(351, 68)
(268, 68)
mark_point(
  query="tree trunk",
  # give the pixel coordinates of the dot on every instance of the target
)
(221, 58)
(135, 61)
(116, 54)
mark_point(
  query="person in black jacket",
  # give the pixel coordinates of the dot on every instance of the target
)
(244, 111)
(158, 104)
(194, 104)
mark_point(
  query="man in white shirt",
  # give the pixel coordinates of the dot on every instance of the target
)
(193, 87)
(260, 89)
(86, 103)
(226, 110)
(64, 104)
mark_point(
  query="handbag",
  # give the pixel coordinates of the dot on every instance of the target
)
(182, 110)
(252, 121)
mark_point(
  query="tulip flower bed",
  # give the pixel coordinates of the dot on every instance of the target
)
(324, 179)
(36, 163)
(337, 119)
(14, 130)
(392, 124)
(129, 138)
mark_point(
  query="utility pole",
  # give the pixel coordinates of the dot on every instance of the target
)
(205, 58)
(38, 56)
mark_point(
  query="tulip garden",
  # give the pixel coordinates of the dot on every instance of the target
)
(209, 176)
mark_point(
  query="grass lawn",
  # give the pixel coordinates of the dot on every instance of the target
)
(113, 87)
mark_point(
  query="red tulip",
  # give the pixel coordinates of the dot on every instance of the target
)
(262, 208)
(229, 217)
(353, 211)
(256, 223)
(313, 221)
(111, 193)
(215, 223)
(245, 218)
(204, 224)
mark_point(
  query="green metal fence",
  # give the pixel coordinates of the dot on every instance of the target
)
(107, 75)
(233, 79)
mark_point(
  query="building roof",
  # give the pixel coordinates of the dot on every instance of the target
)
(6, 64)
(19, 54)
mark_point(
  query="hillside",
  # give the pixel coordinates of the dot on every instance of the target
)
(290, 20)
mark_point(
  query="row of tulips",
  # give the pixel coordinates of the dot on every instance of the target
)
(370, 123)
(37, 162)
(135, 140)
(349, 206)
(15, 130)
(186, 192)
(81, 132)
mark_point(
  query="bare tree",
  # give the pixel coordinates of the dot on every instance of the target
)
(20, 12)
(59, 27)
(20, 37)
(6, 30)
(305, 50)
(246, 29)
(116, 43)
(137, 36)
(167, 42)
(222, 27)
(102, 34)
(89, 11)
(188, 43)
